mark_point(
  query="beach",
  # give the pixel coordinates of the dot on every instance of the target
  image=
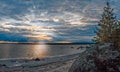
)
(61, 61)
(52, 67)
(54, 64)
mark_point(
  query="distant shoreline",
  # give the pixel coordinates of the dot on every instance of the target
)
(46, 43)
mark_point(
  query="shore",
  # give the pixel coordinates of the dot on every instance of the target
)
(54, 64)
(52, 67)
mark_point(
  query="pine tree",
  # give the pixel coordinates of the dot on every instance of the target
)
(106, 26)
(116, 37)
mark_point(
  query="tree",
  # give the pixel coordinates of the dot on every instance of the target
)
(106, 26)
(116, 37)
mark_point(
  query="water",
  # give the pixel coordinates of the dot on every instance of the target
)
(36, 51)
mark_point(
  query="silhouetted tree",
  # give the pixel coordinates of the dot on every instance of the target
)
(106, 26)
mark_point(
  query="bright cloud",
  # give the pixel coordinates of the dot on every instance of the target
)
(50, 21)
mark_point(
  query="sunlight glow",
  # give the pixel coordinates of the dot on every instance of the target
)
(49, 24)
(40, 51)
(40, 37)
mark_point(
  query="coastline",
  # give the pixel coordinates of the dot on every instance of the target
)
(55, 62)
(37, 61)
(37, 43)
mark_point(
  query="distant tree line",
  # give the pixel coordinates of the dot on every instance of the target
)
(108, 29)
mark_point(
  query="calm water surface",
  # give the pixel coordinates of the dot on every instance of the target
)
(36, 51)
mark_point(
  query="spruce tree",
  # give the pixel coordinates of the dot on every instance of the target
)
(116, 37)
(106, 26)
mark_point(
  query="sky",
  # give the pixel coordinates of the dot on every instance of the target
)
(52, 21)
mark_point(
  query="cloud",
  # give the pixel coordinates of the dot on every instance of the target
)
(39, 37)
(50, 21)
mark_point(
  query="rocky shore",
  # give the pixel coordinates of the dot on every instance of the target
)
(98, 58)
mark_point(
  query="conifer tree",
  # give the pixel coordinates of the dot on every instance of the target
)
(106, 26)
(116, 37)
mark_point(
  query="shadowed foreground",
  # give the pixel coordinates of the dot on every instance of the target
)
(53, 67)
(100, 58)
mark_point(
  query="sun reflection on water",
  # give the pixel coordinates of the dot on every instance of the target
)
(40, 51)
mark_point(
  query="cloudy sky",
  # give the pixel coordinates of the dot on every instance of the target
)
(51, 20)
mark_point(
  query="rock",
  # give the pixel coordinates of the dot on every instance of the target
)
(100, 58)
(37, 59)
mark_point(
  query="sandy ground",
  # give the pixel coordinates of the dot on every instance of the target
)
(53, 67)
(55, 64)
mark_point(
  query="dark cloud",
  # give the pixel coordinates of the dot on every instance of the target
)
(51, 20)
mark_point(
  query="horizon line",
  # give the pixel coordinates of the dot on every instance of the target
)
(41, 43)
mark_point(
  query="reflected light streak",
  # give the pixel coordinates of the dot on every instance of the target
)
(40, 51)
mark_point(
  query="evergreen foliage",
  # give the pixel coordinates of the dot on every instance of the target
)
(106, 26)
(116, 37)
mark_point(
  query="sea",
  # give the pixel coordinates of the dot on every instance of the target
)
(13, 50)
